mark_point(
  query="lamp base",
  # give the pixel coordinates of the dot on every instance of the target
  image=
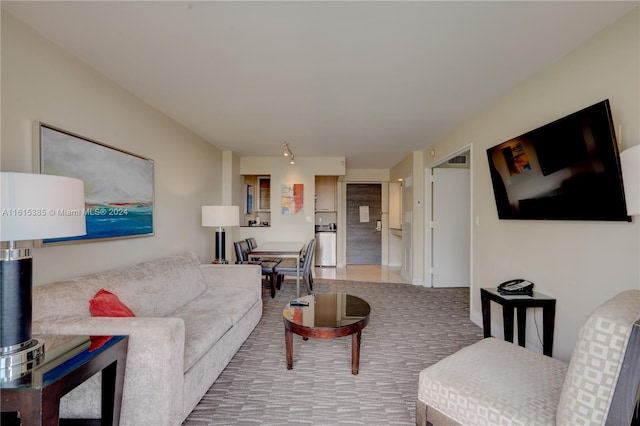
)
(220, 262)
(15, 363)
(220, 257)
(19, 353)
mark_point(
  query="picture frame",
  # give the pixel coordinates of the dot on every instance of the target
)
(249, 199)
(292, 198)
(119, 185)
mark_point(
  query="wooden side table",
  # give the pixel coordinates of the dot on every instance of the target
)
(520, 303)
(66, 364)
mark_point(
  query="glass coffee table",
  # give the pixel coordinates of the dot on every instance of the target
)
(326, 316)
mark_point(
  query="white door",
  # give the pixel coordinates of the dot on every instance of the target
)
(451, 233)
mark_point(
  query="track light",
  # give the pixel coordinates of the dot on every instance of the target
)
(287, 152)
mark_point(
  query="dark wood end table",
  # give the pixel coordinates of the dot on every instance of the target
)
(520, 303)
(329, 315)
(67, 363)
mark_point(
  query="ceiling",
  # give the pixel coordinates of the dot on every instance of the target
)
(370, 81)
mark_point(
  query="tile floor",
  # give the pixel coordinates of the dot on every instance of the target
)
(371, 273)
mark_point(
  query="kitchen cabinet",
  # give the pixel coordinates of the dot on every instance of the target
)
(395, 205)
(326, 193)
(264, 194)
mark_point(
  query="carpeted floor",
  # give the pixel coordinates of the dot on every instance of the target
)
(410, 328)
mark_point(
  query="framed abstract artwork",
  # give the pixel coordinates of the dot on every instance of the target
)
(119, 185)
(292, 198)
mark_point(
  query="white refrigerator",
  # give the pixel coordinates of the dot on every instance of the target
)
(325, 249)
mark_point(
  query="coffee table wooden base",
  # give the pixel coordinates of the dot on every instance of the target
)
(355, 349)
(355, 352)
(326, 316)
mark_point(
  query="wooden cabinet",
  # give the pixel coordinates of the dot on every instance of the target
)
(326, 193)
(264, 194)
(395, 205)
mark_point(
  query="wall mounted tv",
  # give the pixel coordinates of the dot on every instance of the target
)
(565, 170)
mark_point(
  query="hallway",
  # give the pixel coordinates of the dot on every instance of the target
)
(371, 273)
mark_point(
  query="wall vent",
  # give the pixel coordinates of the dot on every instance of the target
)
(460, 160)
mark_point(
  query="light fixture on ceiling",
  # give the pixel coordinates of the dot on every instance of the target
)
(286, 151)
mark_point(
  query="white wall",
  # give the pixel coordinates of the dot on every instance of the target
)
(289, 227)
(410, 169)
(41, 82)
(582, 264)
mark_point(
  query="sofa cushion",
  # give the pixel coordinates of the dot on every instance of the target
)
(229, 302)
(596, 361)
(166, 283)
(208, 317)
(202, 330)
(475, 385)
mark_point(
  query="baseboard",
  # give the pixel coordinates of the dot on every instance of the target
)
(80, 422)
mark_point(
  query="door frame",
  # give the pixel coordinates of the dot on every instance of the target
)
(428, 214)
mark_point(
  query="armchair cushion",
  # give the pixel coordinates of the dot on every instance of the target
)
(476, 385)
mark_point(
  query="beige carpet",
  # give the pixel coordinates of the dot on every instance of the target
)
(410, 328)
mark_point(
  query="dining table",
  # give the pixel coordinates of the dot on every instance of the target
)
(283, 249)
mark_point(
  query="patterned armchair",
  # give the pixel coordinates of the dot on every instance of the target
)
(495, 382)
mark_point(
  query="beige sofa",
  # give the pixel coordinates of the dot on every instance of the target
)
(190, 321)
(494, 382)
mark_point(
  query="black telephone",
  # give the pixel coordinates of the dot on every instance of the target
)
(516, 287)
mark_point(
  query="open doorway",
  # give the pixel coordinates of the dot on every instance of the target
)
(448, 222)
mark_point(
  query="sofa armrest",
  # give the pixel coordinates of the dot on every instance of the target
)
(244, 276)
(154, 375)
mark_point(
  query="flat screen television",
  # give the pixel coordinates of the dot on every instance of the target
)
(568, 169)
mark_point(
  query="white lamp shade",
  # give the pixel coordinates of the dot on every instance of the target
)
(630, 162)
(35, 206)
(220, 216)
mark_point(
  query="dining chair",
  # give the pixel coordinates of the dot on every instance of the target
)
(288, 268)
(289, 262)
(268, 267)
(251, 241)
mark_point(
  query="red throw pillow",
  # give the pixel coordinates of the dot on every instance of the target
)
(106, 304)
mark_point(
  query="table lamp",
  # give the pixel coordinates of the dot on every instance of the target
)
(33, 207)
(220, 216)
